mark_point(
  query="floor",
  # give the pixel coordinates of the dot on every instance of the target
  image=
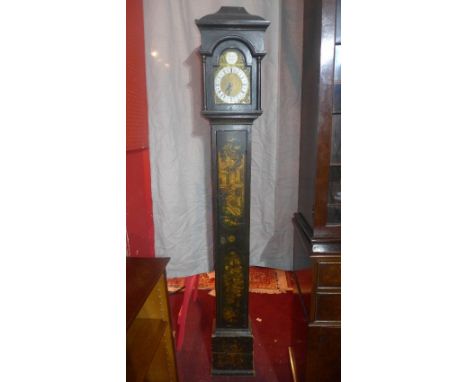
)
(278, 322)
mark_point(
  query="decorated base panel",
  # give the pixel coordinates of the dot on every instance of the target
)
(232, 352)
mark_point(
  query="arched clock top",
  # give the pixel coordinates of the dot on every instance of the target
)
(232, 23)
(235, 45)
(235, 41)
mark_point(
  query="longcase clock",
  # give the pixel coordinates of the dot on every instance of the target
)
(232, 48)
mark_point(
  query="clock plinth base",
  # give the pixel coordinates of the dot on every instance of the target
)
(232, 351)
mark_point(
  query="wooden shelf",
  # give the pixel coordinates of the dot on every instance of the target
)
(143, 339)
(142, 276)
(150, 346)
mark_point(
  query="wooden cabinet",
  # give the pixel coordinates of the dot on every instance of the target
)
(318, 219)
(324, 333)
(150, 345)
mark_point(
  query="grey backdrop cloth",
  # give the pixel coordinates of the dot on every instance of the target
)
(180, 137)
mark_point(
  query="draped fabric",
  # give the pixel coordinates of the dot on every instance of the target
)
(179, 137)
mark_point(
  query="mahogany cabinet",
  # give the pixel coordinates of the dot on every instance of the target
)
(324, 332)
(318, 219)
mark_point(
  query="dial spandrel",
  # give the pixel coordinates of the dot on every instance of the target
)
(232, 79)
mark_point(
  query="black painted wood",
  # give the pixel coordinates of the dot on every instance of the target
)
(232, 29)
(231, 231)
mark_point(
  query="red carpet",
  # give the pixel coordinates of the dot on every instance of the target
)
(261, 280)
(277, 322)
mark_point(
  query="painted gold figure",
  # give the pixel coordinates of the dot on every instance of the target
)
(233, 286)
(231, 183)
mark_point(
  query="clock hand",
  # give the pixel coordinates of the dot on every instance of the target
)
(228, 89)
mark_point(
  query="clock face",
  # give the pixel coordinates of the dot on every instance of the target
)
(232, 79)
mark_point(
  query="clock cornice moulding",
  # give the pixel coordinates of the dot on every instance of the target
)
(233, 17)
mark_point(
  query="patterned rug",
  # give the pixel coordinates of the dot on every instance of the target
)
(262, 280)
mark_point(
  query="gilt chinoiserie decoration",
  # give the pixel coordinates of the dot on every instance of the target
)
(232, 48)
(231, 182)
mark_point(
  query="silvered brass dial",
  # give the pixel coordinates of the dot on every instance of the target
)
(232, 79)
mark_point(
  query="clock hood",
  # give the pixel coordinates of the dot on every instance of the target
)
(232, 23)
